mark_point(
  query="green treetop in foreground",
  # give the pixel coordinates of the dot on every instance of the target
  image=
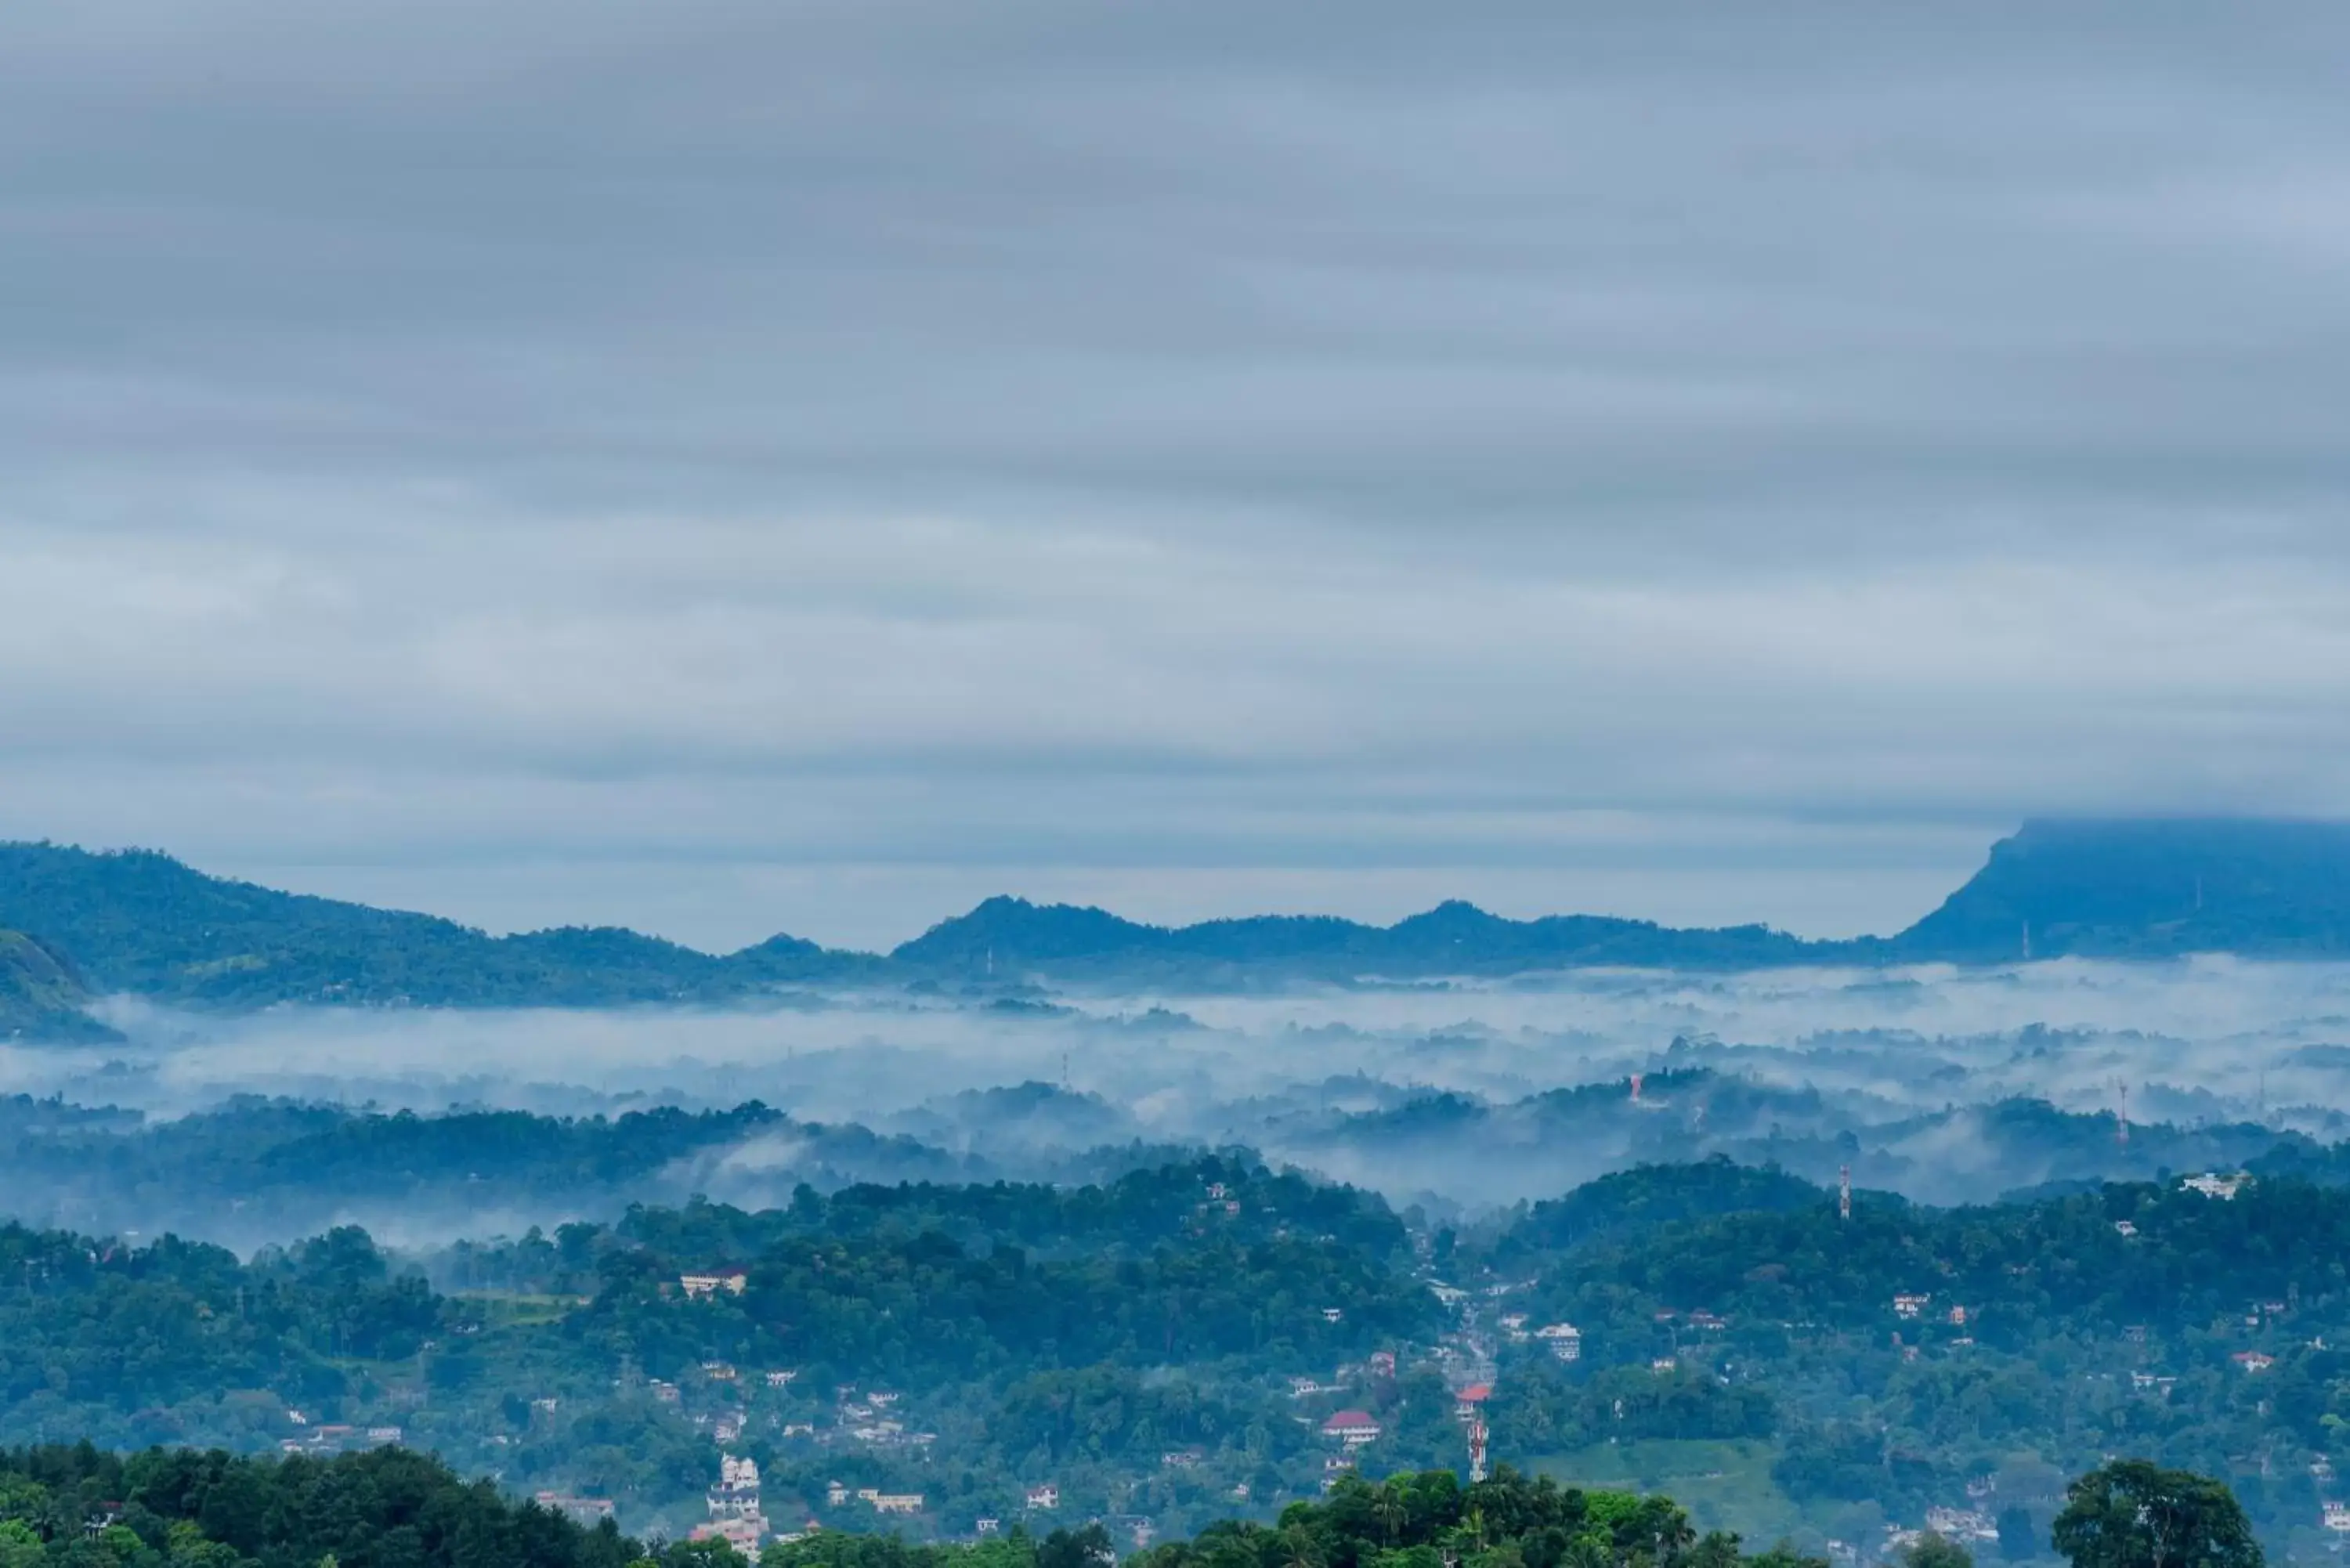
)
(2133, 1514)
(81, 1507)
(2129, 1514)
(1426, 1520)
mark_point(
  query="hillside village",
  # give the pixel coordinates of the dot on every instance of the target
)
(646, 1381)
(1488, 1346)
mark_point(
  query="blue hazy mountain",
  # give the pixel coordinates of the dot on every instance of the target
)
(1012, 935)
(140, 922)
(2146, 890)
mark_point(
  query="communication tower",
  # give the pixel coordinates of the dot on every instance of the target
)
(1844, 1192)
(1476, 1448)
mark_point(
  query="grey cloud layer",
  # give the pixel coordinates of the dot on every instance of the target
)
(1047, 435)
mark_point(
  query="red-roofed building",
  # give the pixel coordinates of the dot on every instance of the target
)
(1470, 1400)
(1352, 1427)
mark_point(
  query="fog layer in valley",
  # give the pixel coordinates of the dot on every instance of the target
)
(1459, 1097)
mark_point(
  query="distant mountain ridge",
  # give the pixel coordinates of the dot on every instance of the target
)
(1454, 937)
(140, 922)
(143, 923)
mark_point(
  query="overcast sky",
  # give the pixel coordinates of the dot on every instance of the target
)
(735, 465)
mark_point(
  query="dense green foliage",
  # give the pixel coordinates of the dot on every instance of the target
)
(1543, 1411)
(1913, 1356)
(2018, 1270)
(81, 1507)
(1134, 1342)
(2132, 1514)
(102, 1330)
(1138, 1210)
(1649, 1196)
(925, 1305)
(1026, 1328)
(1408, 1521)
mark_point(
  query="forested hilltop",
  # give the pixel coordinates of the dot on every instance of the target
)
(141, 923)
(1216, 1338)
(77, 1507)
(253, 1171)
(954, 1340)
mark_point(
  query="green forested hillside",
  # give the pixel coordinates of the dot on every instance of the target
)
(1648, 1196)
(2134, 1254)
(41, 998)
(1151, 1345)
(1910, 1357)
(1087, 1330)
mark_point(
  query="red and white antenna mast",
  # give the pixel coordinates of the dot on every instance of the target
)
(2121, 1127)
(1844, 1192)
(1476, 1448)
(1636, 1087)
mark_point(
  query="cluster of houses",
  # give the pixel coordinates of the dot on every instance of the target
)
(867, 1419)
(2335, 1516)
(1962, 1524)
(864, 1418)
(2212, 1184)
(902, 1504)
(704, 1287)
(331, 1437)
(734, 1508)
(1564, 1340)
(1220, 1197)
